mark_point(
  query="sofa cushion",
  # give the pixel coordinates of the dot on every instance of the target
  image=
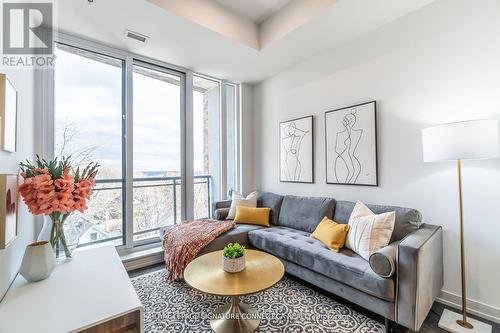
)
(407, 219)
(383, 261)
(331, 233)
(369, 232)
(239, 200)
(255, 216)
(345, 266)
(273, 201)
(239, 234)
(305, 213)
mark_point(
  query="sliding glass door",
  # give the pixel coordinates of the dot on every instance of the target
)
(152, 132)
(157, 154)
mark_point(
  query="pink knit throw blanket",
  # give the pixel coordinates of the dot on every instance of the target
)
(183, 241)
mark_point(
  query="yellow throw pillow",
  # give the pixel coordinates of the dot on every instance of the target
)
(331, 233)
(249, 215)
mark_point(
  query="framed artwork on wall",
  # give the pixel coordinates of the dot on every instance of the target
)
(8, 209)
(351, 145)
(297, 150)
(8, 114)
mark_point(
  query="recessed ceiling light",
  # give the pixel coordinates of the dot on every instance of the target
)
(137, 36)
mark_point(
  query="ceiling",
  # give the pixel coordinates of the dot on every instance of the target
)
(255, 10)
(181, 41)
(232, 18)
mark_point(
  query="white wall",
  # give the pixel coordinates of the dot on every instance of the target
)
(437, 65)
(10, 258)
(247, 136)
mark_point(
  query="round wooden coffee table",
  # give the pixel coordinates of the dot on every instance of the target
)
(206, 275)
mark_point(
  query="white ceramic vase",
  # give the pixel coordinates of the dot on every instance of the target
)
(233, 265)
(38, 262)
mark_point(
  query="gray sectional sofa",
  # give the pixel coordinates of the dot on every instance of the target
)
(400, 282)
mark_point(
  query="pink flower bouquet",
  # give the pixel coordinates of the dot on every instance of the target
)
(55, 189)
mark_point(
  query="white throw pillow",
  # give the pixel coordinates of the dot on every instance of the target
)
(239, 200)
(369, 232)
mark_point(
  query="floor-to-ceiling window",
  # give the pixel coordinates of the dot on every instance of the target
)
(88, 127)
(156, 150)
(128, 113)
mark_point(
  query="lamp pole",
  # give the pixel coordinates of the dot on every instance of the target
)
(463, 322)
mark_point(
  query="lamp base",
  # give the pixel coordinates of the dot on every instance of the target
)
(449, 323)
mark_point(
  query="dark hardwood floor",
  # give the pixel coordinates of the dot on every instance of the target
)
(430, 325)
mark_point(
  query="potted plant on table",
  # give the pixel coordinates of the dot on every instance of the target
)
(55, 189)
(233, 258)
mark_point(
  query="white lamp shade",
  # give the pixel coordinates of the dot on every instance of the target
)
(475, 139)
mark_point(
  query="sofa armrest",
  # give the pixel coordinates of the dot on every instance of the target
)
(220, 205)
(221, 214)
(419, 274)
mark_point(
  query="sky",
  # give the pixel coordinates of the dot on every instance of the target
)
(88, 99)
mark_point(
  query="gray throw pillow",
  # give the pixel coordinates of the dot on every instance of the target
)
(383, 261)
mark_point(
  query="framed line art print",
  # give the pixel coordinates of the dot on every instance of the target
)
(351, 145)
(8, 115)
(297, 150)
(8, 209)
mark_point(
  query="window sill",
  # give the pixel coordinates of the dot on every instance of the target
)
(142, 258)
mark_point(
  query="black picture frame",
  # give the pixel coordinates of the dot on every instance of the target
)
(374, 102)
(312, 151)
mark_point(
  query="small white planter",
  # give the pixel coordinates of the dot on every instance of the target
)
(38, 262)
(233, 265)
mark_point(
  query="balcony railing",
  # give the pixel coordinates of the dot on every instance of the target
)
(156, 203)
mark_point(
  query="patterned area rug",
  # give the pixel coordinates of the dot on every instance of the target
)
(287, 307)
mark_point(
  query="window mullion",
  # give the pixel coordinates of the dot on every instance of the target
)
(128, 158)
(223, 141)
(187, 151)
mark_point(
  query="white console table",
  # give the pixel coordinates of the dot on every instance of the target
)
(90, 293)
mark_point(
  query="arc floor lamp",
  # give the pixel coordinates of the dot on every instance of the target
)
(475, 139)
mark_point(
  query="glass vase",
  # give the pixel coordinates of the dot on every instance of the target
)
(64, 236)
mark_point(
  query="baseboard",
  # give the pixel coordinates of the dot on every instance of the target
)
(474, 307)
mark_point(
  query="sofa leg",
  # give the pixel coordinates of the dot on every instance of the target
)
(388, 326)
